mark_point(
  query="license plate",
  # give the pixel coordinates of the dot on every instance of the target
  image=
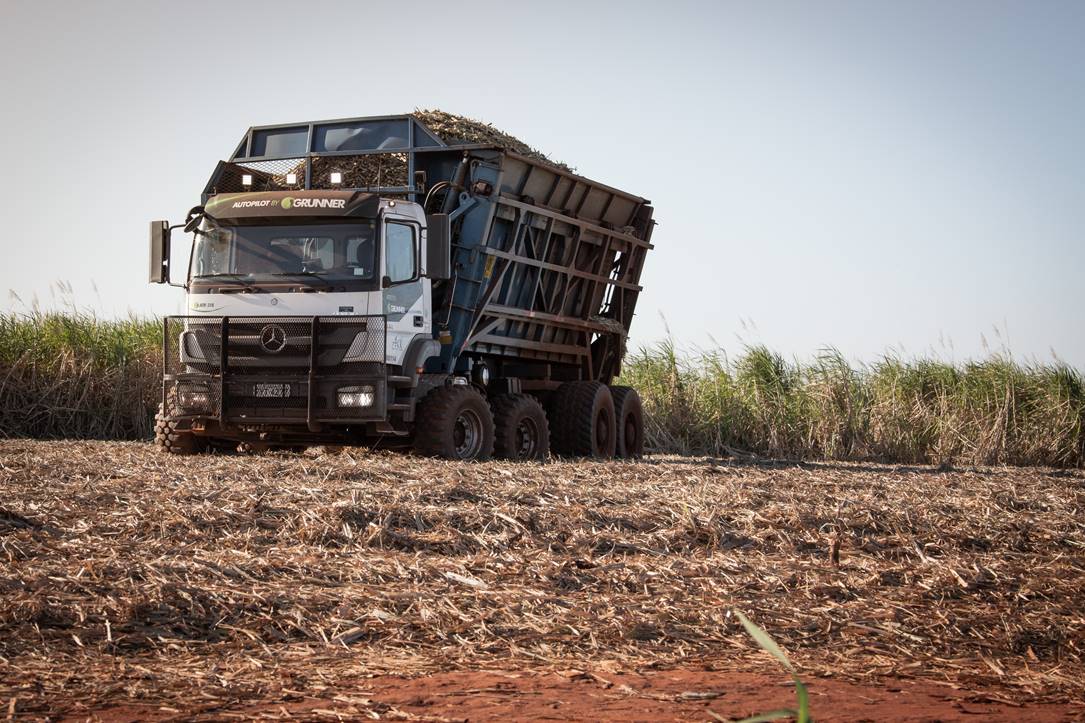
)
(272, 391)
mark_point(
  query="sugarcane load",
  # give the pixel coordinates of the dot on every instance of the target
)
(423, 281)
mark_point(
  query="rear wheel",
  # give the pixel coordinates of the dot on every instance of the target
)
(583, 416)
(454, 422)
(520, 428)
(174, 435)
(629, 416)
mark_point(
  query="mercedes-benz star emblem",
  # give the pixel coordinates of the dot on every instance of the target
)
(273, 338)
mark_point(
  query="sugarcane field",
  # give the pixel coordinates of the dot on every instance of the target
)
(575, 362)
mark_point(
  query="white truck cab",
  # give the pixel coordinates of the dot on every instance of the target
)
(305, 265)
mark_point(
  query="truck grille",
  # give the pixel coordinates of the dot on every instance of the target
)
(273, 344)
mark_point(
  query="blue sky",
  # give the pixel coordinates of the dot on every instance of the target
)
(870, 175)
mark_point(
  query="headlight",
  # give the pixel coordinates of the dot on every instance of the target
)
(355, 396)
(193, 396)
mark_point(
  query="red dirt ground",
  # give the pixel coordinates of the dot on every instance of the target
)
(693, 695)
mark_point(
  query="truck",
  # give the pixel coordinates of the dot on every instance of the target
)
(372, 281)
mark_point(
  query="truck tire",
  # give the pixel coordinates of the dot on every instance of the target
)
(174, 435)
(454, 422)
(583, 415)
(521, 431)
(629, 418)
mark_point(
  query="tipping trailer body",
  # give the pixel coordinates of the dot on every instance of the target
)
(541, 271)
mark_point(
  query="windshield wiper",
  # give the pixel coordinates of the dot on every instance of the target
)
(246, 283)
(311, 274)
(239, 277)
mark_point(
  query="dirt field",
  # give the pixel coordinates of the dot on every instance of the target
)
(369, 584)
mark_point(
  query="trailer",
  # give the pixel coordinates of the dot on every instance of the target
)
(366, 279)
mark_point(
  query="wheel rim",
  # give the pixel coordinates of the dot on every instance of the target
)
(527, 438)
(602, 431)
(467, 434)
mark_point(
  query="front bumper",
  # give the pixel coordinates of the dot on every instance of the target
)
(253, 372)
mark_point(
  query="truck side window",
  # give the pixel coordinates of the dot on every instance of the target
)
(399, 252)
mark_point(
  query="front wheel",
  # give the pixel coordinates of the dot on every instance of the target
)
(175, 436)
(454, 422)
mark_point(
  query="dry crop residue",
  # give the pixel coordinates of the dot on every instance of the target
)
(210, 583)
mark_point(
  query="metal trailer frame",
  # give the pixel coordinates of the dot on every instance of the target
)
(555, 291)
(546, 263)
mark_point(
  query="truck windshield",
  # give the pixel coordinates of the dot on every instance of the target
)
(334, 251)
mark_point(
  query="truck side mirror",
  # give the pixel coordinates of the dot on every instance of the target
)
(160, 252)
(438, 246)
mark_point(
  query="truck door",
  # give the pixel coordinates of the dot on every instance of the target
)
(406, 294)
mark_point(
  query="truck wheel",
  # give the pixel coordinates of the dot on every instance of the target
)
(174, 435)
(583, 414)
(629, 416)
(520, 428)
(454, 422)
